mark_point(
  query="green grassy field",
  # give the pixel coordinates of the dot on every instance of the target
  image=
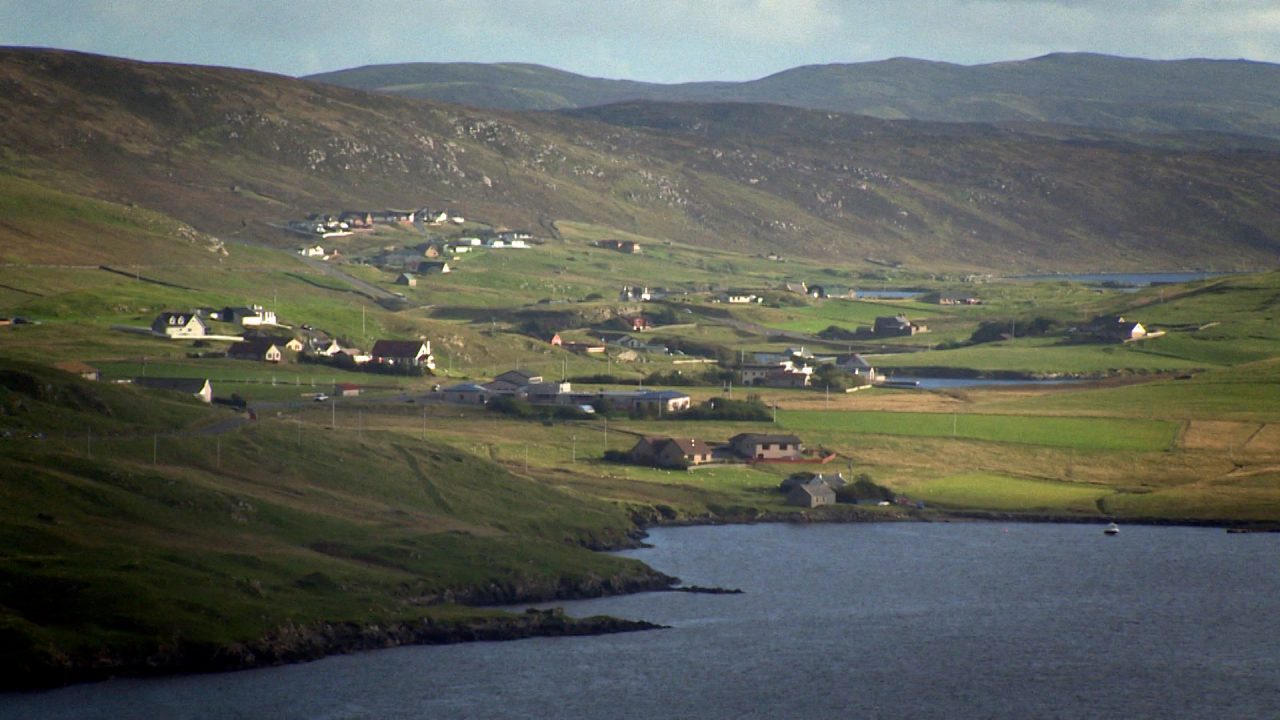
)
(1010, 494)
(1082, 433)
(139, 521)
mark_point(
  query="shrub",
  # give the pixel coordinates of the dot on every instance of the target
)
(863, 488)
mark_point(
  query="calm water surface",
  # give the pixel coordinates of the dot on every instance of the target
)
(909, 620)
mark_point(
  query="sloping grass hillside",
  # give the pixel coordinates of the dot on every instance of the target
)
(159, 539)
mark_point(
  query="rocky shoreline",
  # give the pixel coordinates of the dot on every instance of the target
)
(307, 642)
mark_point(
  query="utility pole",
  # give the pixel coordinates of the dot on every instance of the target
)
(575, 449)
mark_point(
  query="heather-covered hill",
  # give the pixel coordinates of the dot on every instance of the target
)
(230, 151)
(1084, 89)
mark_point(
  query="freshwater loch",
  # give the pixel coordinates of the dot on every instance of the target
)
(884, 620)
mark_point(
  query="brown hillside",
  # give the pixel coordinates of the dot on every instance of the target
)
(228, 151)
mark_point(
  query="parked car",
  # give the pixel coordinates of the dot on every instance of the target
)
(321, 397)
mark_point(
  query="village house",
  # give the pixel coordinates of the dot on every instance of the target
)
(740, 297)
(312, 251)
(346, 389)
(466, 394)
(505, 388)
(787, 377)
(403, 353)
(556, 341)
(783, 373)
(631, 293)
(519, 378)
(328, 347)
(75, 367)
(259, 349)
(407, 280)
(1114, 328)
(629, 247)
(179, 325)
(896, 326)
(394, 217)
(953, 299)
(638, 323)
(354, 355)
(759, 446)
(856, 365)
(357, 219)
(583, 347)
(547, 393)
(248, 316)
(498, 243)
(433, 267)
(195, 387)
(284, 342)
(811, 495)
(670, 452)
(658, 401)
(835, 482)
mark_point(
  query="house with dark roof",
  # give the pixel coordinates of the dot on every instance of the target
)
(629, 247)
(195, 387)
(179, 325)
(1114, 328)
(835, 482)
(518, 378)
(466, 394)
(811, 495)
(248, 315)
(896, 326)
(658, 401)
(762, 446)
(856, 365)
(433, 267)
(410, 353)
(260, 349)
(670, 452)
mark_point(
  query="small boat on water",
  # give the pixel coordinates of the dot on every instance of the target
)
(1111, 529)
(900, 383)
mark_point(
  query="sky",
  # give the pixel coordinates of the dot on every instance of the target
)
(662, 41)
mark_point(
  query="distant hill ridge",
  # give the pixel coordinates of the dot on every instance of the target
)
(233, 153)
(1235, 96)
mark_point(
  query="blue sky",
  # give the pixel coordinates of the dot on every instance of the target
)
(652, 40)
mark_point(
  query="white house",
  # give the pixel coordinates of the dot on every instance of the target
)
(179, 325)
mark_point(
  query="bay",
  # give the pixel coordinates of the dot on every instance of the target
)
(887, 620)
